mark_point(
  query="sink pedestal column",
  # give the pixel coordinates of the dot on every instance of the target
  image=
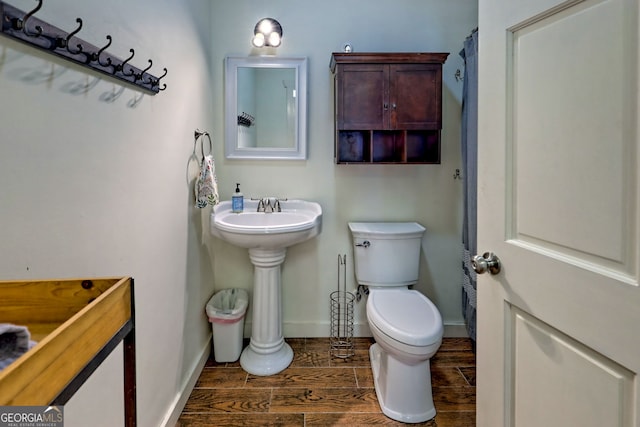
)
(267, 353)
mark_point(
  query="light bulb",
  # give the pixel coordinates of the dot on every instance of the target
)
(265, 26)
(274, 39)
(258, 40)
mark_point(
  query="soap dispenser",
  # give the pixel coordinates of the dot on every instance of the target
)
(237, 200)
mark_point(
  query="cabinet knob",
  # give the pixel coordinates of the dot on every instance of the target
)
(393, 105)
(385, 106)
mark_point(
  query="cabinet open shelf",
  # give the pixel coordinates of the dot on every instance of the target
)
(388, 146)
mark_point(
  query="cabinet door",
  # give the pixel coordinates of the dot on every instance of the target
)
(363, 92)
(415, 96)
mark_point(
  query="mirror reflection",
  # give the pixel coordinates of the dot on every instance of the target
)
(268, 94)
(265, 108)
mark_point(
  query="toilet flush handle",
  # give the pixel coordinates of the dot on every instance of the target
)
(364, 244)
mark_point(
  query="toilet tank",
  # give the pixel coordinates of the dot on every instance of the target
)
(386, 253)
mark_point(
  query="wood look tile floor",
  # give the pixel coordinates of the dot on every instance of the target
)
(320, 390)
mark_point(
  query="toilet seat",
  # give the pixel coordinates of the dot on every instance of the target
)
(406, 316)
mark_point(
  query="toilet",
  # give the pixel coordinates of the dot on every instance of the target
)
(405, 324)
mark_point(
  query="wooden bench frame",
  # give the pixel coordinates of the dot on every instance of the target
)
(77, 323)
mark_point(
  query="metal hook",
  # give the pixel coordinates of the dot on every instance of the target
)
(71, 34)
(139, 76)
(130, 73)
(157, 82)
(21, 24)
(96, 56)
(120, 67)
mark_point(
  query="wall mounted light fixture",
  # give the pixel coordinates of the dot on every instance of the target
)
(268, 32)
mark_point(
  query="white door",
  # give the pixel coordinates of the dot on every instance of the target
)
(558, 200)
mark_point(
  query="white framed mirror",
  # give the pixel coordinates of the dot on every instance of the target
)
(265, 107)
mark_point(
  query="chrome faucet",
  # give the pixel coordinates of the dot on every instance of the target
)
(265, 205)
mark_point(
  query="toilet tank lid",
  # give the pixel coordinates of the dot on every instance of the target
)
(386, 230)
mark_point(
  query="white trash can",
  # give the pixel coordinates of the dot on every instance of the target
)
(226, 310)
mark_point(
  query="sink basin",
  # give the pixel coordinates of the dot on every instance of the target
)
(299, 221)
(267, 236)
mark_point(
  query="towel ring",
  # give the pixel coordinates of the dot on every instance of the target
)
(198, 134)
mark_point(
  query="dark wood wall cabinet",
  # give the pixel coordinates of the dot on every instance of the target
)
(388, 107)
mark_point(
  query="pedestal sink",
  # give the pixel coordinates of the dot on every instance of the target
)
(267, 236)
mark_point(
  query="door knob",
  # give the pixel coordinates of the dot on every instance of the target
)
(487, 262)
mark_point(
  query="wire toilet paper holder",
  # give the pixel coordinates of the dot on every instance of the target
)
(341, 338)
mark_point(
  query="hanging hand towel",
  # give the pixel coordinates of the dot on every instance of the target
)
(206, 188)
(207, 184)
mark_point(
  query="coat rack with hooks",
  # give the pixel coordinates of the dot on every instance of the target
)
(27, 28)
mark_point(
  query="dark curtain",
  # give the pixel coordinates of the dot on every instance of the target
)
(469, 143)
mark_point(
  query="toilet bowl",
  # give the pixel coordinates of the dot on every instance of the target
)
(408, 330)
(405, 324)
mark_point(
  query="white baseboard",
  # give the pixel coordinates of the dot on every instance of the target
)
(320, 330)
(176, 407)
(455, 330)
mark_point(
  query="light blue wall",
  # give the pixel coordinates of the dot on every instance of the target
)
(424, 193)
